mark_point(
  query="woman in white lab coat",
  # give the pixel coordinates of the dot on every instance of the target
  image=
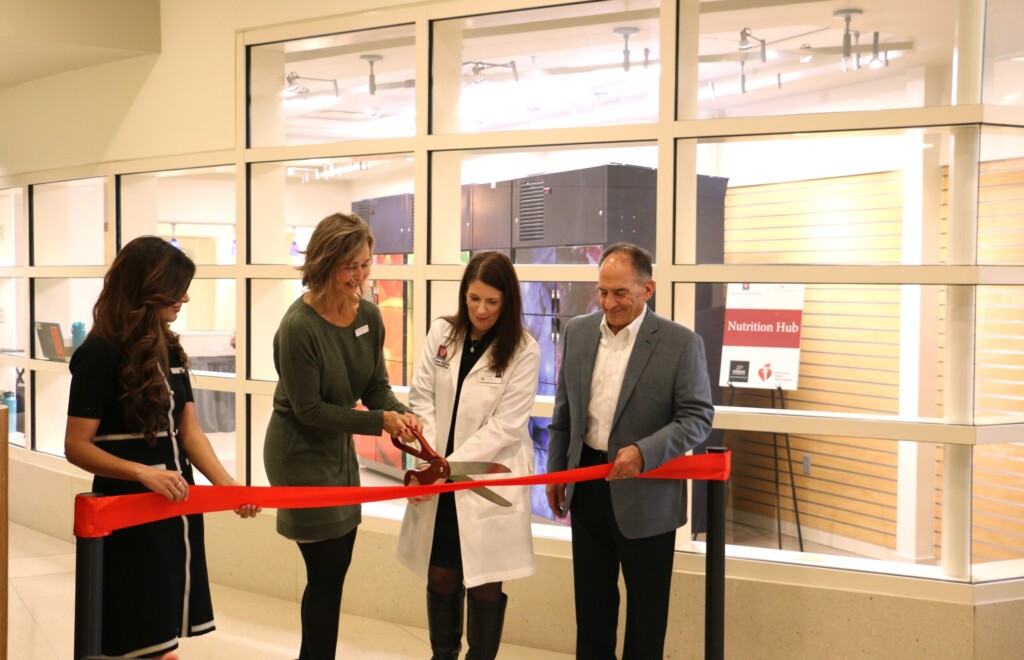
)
(473, 391)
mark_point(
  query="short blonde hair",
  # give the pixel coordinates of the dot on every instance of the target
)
(337, 239)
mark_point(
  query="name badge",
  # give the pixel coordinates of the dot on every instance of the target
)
(362, 330)
(441, 359)
(489, 378)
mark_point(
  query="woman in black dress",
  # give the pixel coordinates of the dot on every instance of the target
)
(132, 423)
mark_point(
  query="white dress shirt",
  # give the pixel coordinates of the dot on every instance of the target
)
(613, 353)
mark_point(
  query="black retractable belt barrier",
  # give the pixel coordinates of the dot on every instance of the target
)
(88, 593)
(714, 571)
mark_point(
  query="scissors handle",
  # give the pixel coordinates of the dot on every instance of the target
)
(435, 467)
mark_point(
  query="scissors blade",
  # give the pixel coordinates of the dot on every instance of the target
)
(476, 467)
(483, 492)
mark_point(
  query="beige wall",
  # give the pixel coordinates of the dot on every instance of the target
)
(180, 101)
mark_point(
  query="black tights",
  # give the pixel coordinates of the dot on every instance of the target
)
(447, 582)
(327, 563)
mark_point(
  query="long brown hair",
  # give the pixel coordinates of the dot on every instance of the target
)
(147, 276)
(337, 240)
(496, 270)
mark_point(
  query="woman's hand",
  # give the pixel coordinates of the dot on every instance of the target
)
(395, 424)
(246, 510)
(169, 483)
(412, 421)
(420, 499)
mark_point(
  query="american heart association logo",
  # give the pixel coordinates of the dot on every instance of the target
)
(765, 372)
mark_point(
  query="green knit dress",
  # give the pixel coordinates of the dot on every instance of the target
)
(323, 370)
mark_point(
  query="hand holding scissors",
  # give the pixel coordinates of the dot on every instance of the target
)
(436, 468)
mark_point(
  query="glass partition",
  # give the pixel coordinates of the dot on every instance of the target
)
(62, 314)
(543, 206)
(288, 199)
(206, 325)
(586, 64)
(1004, 57)
(795, 57)
(68, 223)
(334, 87)
(12, 390)
(13, 315)
(12, 225)
(50, 417)
(216, 413)
(789, 199)
(194, 209)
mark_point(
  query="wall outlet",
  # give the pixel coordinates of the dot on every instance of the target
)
(807, 464)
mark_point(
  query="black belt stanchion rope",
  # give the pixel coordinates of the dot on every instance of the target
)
(88, 593)
(714, 569)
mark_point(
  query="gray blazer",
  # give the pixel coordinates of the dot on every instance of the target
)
(664, 408)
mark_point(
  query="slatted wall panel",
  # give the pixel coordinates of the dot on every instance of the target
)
(849, 350)
(998, 501)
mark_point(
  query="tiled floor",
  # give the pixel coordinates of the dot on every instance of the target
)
(41, 617)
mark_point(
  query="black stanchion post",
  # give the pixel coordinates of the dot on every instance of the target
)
(714, 571)
(88, 593)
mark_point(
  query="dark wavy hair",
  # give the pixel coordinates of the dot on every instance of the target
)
(493, 269)
(147, 276)
(337, 240)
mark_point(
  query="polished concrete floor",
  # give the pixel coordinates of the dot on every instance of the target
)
(40, 605)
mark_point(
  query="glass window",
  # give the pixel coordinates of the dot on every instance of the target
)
(206, 325)
(1004, 61)
(997, 511)
(260, 408)
(12, 224)
(194, 209)
(12, 389)
(52, 390)
(68, 223)
(543, 206)
(796, 58)
(216, 413)
(547, 307)
(789, 199)
(288, 199)
(1000, 191)
(62, 314)
(330, 88)
(13, 315)
(587, 64)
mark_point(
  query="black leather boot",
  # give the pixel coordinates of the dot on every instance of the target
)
(444, 620)
(483, 631)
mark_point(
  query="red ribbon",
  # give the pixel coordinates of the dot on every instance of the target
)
(99, 516)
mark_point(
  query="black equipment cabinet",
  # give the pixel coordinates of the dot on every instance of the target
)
(591, 206)
(391, 220)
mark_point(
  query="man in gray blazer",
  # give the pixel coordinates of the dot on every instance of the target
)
(632, 391)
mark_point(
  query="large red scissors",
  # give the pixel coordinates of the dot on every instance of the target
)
(436, 467)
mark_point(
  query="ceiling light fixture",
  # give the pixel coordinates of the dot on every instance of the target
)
(295, 88)
(625, 33)
(876, 62)
(371, 59)
(745, 44)
(808, 56)
(845, 14)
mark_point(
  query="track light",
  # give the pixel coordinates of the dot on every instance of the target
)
(745, 44)
(845, 14)
(295, 88)
(876, 62)
(625, 33)
(371, 59)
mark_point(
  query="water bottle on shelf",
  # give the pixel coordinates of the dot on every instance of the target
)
(11, 402)
(77, 335)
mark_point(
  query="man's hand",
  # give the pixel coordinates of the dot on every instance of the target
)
(556, 499)
(629, 462)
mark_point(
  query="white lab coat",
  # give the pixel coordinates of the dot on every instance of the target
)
(497, 543)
